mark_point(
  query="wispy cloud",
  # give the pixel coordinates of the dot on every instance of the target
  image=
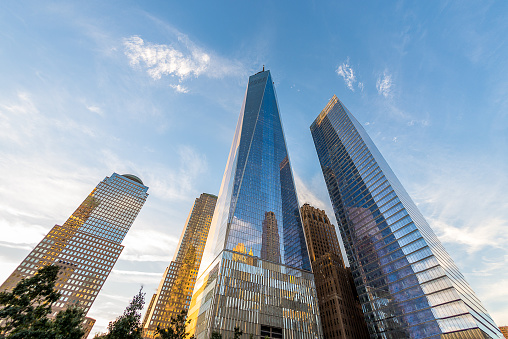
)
(18, 119)
(149, 245)
(176, 183)
(165, 59)
(306, 195)
(384, 84)
(457, 191)
(181, 59)
(95, 109)
(473, 237)
(422, 122)
(347, 73)
(179, 88)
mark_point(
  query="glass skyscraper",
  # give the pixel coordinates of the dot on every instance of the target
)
(408, 285)
(256, 273)
(88, 244)
(175, 289)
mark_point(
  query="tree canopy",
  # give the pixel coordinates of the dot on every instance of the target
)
(24, 312)
(128, 325)
(176, 329)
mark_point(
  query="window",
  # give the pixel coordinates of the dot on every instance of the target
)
(271, 332)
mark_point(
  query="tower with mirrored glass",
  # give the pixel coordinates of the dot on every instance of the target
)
(408, 285)
(88, 244)
(175, 289)
(256, 273)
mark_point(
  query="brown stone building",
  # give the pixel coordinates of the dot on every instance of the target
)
(341, 313)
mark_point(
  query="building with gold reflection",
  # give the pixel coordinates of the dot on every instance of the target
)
(504, 330)
(87, 326)
(256, 273)
(339, 306)
(175, 289)
(88, 244)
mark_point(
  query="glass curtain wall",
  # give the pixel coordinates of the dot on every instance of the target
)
(257, 230)
(408, 285)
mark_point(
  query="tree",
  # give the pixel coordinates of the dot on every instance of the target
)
(238, 333)
(24, 311)
(68, 323)
(176, 329)
(216, 335)
(128, 325)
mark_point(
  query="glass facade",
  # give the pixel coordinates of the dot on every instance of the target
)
(256, 231)
(88, 244)
(408, 285)
(175, 289)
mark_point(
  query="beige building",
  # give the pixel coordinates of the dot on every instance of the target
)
(175, 289)
(341, 313)
(88, 244)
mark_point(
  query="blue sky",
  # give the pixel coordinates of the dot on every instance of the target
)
(155, 89)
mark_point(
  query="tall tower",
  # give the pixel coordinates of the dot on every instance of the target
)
(175, 289)
(88, 244)
(341, 312)
(504, 331)
(256, 271)
(408, 285)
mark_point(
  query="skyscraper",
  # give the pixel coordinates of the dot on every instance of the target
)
(408, 285)
(256, 271)
(88, 244)
(340, 309)
(504, 330)
(175, 289)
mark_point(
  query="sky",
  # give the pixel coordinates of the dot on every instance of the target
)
(154, 88)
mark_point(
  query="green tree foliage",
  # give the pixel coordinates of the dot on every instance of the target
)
(128, 325)
(176, 329)
(24, 311)
(68, 324)
(216, 335)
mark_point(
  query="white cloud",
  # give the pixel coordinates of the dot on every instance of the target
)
(181, 59)
(140, 277)
(19, 119)
(165, 59)
(360, 86)
(148, 245)
(384, 84)
(305, 195)
(175, 183)
(347, 73)
(422, 122)
(16, 232)
(179, 88)
(456, 195)
(95, 109)
(474, 237)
